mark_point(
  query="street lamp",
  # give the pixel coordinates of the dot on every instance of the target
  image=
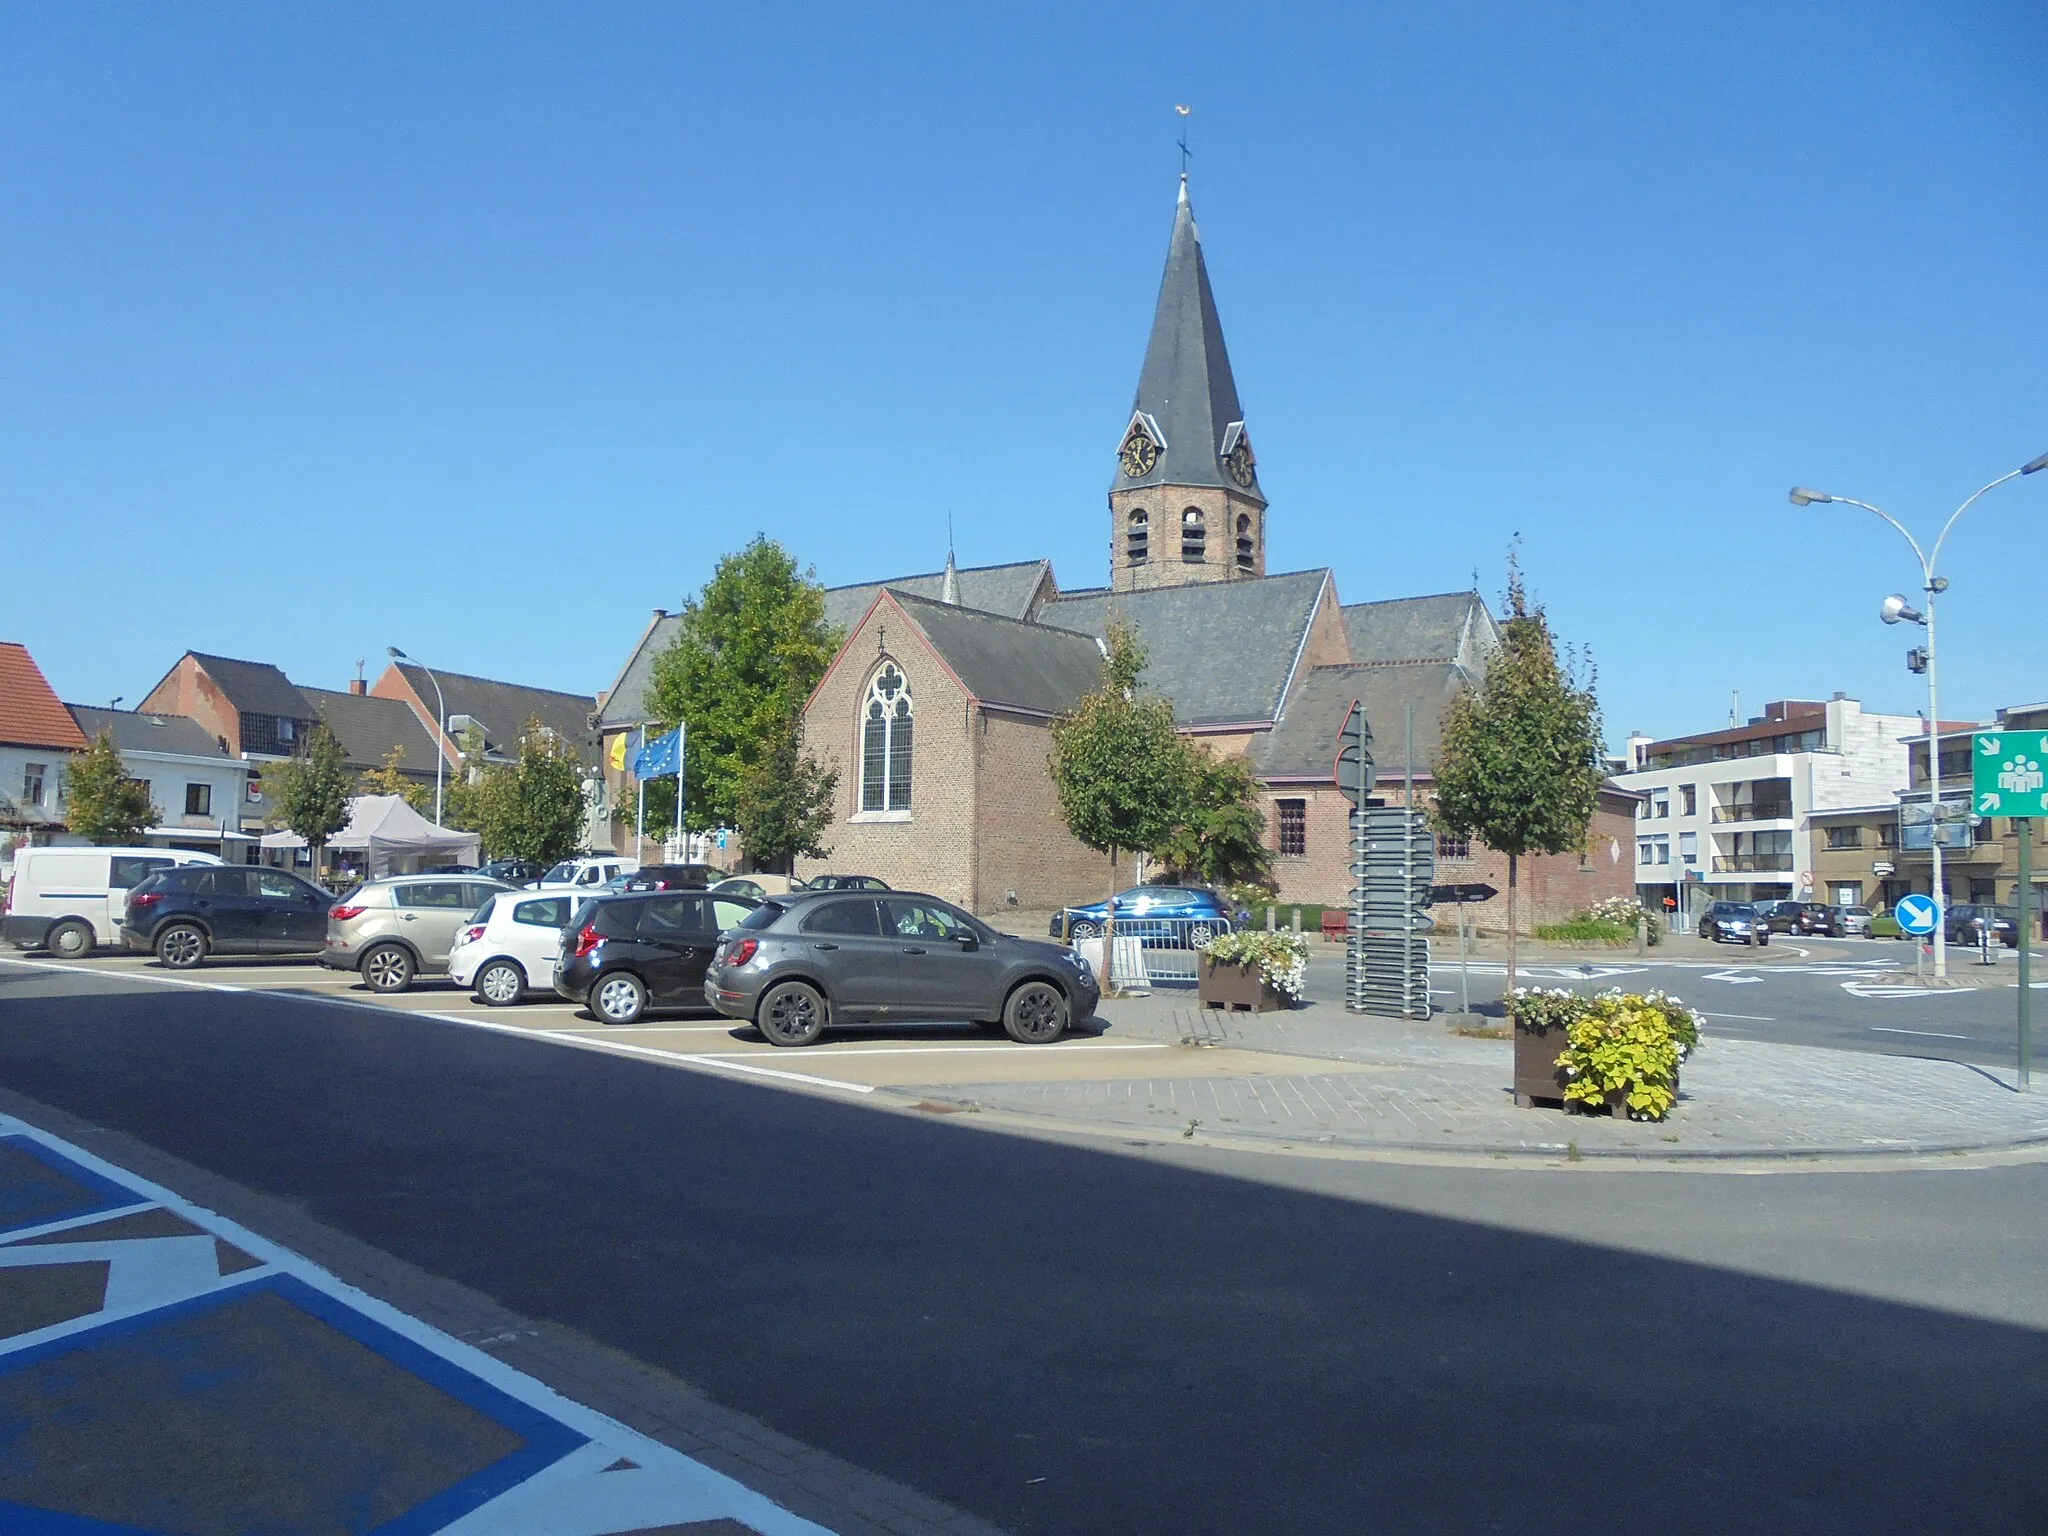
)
(1895, 610)
(440, 723)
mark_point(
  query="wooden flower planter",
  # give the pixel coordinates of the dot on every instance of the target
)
(1538, 1078)
(1236, 989)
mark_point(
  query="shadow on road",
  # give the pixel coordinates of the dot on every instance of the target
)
(1062, 1340)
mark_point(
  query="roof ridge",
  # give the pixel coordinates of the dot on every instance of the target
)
(982, 613)
(1420, 597)
(499, 682)
(959, 570)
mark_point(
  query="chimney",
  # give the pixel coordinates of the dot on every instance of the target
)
(358, 687)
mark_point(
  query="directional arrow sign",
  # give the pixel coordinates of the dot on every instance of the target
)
(2010, 773)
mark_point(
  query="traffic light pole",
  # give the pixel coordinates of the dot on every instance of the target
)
(2024, 827)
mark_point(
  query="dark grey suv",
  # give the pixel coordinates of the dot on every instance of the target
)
(804, 962)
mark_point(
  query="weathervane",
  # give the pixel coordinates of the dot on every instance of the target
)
(1185, 152)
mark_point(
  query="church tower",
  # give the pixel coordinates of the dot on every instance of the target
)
(1185, 505)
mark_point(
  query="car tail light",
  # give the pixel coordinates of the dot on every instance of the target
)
(586, 941)
(343, 914)
(472, 934)
(7, 901)
(142, 901)
(742, 952)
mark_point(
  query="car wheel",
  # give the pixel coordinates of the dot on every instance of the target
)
(180, 947)
(1085, 930)
(619, 998)
(1036, 1013)
(388, 968)
(69, 941)
(1199, 935)
(792, 1014)
(501, 983)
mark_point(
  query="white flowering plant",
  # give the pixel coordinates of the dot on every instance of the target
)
(1282, 958)
(1623, 911)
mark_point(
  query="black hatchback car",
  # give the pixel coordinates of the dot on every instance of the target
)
(816, 958)
(1734, 922)
(624, 954)
(186, 914)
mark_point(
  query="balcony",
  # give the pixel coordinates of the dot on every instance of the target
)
(1769, 811)
(1753, 863)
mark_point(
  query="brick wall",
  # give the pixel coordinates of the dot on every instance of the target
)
(1164, 506)
(1023, 843)
(189, 691)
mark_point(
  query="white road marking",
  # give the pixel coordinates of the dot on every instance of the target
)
(1754, 1018)
(1865, 989)
(1733, 978)
(1929, 1034)
(812, 1051)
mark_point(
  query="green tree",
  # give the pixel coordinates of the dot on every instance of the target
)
(101, 802)
(748, 651)
(1221, 837)
(785, 805)
(1119, 767)
(531, 808)
(389, 779)
(1520, 767)
(310, 792)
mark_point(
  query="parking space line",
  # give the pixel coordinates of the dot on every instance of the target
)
(813, 1051)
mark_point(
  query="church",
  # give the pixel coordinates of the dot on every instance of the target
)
(937, 710)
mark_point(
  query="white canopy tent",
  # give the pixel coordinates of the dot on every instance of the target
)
(392, 837)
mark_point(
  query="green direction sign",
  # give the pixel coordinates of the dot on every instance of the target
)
(2009, 773)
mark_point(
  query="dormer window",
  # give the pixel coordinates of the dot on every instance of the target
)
(1194, 537)
(1137, 537)
(284, 728)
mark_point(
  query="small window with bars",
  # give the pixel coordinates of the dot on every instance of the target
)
(1450, 848)
(1293, 828)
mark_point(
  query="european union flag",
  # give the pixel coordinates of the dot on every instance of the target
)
(661, 758)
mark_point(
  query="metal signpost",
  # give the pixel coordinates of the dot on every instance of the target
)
(1458, 896)
(1392, 859)
(1917, 917)
(2008, 778)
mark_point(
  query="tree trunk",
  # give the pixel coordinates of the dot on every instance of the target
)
(1109, 931)
(1514, 934)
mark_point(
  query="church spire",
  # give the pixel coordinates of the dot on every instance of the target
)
(1187, 398)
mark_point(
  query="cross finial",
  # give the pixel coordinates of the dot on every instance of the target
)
(1185, 152)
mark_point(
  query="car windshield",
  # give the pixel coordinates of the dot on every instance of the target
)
(1855, 911)
(764, 914)
(483, 913)
(566, 870)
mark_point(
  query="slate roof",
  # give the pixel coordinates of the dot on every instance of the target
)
(255, 687)
(1186, 388)
(1005, 661)
(1008, 590)
(1222, 651)
(504, 708)
(1304, 743)
(1444, 627)
(134, 731)
(30, 714)
(369, 727)
(626, 704)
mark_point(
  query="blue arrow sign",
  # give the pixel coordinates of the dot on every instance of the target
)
(1917, 915)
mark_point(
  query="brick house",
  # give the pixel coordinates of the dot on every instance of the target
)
(37, 737)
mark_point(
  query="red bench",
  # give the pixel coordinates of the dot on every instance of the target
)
(1336, 925)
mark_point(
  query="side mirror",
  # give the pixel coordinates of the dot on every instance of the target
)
(969, 941)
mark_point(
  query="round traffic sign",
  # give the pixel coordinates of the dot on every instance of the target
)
(1917, 914)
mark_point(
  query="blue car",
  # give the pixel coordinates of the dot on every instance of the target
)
(1162, 916)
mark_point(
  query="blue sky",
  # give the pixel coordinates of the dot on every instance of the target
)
(485, 329)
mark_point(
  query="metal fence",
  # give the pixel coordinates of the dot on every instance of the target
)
(1171, 946)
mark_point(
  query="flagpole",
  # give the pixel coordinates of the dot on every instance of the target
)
(640, 816)
(682, 750)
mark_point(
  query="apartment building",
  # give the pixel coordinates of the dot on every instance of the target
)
(1727, 815)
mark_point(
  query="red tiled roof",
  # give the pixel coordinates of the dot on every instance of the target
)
(30, 715)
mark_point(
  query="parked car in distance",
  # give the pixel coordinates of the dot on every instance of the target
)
(803, 963)
(1852, 922)
(514, 871)
(587, 874)
(1779, 916)
(1963, 917)
(634, 951)
(188, 913)
(1817, 917)
(510, 944)
(670, 877)
(845, 883)
(388, 931)
(67, 900)
(758, 887)
(1190, 913)
(1734, 922)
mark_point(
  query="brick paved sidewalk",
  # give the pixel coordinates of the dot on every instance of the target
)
(1389, 1084)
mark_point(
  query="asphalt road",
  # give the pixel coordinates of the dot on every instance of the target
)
(1065, 1338)
(1845, 994)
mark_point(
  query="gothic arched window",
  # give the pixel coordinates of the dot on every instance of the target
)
(1137, 537)
(1194, 537)
(885, 735)
(1244, 541)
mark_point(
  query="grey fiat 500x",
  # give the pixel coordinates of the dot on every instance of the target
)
(804, 962)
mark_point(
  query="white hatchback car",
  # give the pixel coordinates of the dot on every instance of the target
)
(512, 938)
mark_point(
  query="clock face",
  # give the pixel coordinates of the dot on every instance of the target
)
(1139, 455)
(1240, 463)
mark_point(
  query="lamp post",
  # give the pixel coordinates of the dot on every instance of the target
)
(1896, 609)
(440, 723)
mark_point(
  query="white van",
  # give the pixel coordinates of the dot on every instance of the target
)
(66, 900)
(586, 874)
